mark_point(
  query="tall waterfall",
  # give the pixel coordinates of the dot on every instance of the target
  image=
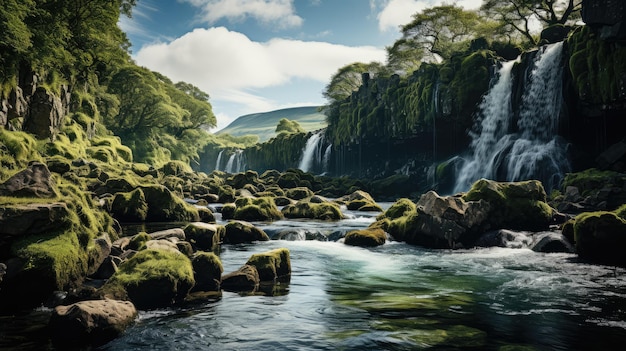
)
(236, 162)
(313, 153)
(510, 149)
(219, 160)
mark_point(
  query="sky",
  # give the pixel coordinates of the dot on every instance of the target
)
(255, 56)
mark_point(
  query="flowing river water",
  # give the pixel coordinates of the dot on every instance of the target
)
(393, 297)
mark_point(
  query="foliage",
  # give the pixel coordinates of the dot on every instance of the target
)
(288, 126)
(348, 79)
(517, 16)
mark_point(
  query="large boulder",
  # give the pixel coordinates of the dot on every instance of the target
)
(90, 322)
(273, 266)
(237, 232)
(34, 181)
(164, 206)
(130, 206)
(601, 237)
(207, 269)
(152, 279)
(245, 279)
(256, 209)
(205, 236)
(513, 205)
(366, 237)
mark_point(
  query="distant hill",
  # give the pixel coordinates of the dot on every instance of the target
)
(264, 124)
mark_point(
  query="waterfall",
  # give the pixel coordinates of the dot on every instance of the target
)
(311, 152)
(326, 160)
(219, 160)
(236, 162)
(529, 148)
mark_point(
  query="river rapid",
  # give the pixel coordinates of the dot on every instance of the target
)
(393, 297)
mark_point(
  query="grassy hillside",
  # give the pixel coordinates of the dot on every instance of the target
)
(264, 124)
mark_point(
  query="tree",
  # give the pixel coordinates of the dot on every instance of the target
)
(437, 32)
(348, 79)
(519, 15)
(403, 57)
(288, 126)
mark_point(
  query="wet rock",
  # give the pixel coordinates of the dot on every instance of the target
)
(100, 250)
(204, 236)
(366, 237)
(237, 232)
(208, 270)
(505, 238)
(90, 322)
(550, 242)
(600, 237)
(273, 265)
(245, 279)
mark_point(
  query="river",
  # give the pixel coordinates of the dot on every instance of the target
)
(393, 297)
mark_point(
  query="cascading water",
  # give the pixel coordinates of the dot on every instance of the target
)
(326, 160)
(219, 160)
(236, 162)
(312, 152)
(529, 149)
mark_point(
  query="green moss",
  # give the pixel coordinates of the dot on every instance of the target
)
(589, 180)
(601, 237)
(519, 205)
(621, 212)
(208, 270)
(272, 265)
(299, 193)
(130, 206)
(399, 209)
(306, 209)
(152, 278)
(205, 236)
(164, 206)
(257, 209)
(175, 168)
(366, 237)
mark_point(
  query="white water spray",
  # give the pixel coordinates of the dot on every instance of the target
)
(236, 162)
(219, 160)
(531, 149)
(310, 151)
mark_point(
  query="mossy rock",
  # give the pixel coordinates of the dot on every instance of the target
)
(399, 209)
(226, 194)
(130, 207)
(208, 269)
(152, 279)
(205, 213)
(257, 209)
(228, 211)
(366, 237)
(143, 170)
(601, 237)
(306, 209)
(138, 242)
(273, 265)
(299, 193)
(175, 168)
(205, 236)
(288, 180)
(239, 180)
(163, 206)
(514, 205)
(592, 179)
(237, 232)
(363, 205)
(58, 164)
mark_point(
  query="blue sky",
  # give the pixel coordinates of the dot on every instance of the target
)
(262, 55)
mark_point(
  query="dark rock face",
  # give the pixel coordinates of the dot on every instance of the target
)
(608, 17)
(245, 279)
(45, 114)
(34, 181)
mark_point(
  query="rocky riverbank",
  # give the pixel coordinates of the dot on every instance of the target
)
(60, 232)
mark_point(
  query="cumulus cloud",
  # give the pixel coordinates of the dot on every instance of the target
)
(230, 67)
(279, 13)
(395, 13)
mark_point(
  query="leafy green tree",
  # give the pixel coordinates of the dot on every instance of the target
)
(439, 31)
(144, 102)
(518, 15)
(288, 126)
(403, 57)
(348, 79)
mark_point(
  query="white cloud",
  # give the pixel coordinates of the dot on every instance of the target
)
(396, 13)
(230, 67)
(280, 13)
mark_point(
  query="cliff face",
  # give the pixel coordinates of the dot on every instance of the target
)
(32, 107)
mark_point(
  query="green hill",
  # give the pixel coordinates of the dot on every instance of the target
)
(264, 124)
